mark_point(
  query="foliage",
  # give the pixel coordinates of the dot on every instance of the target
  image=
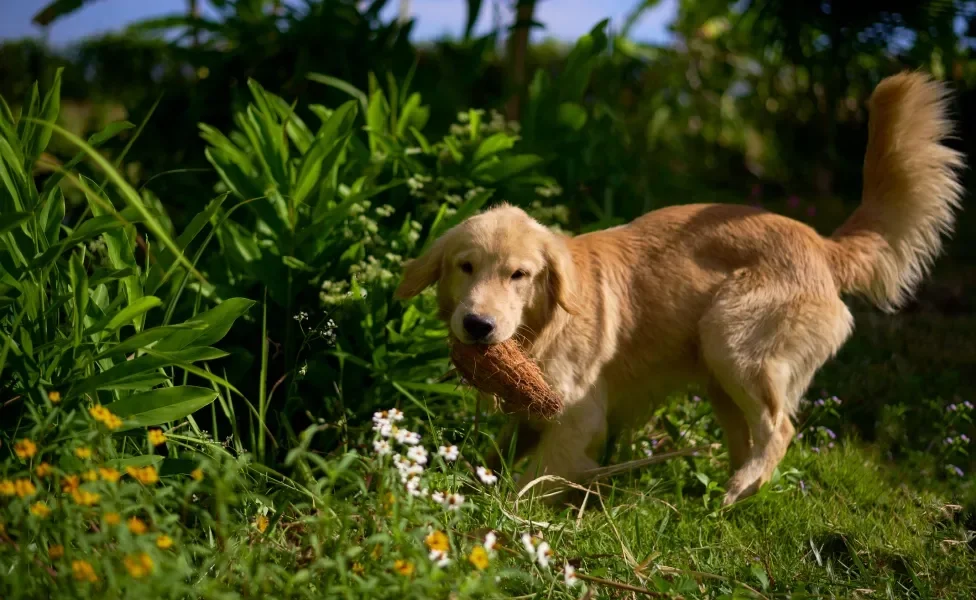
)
(214, 366)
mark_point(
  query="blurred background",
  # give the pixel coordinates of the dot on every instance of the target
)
(631, 105)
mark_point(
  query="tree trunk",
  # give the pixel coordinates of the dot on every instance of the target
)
(518, 53)
(404, 14)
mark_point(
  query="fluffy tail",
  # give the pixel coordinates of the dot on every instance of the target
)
(911, 192)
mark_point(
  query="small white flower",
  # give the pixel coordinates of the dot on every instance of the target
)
(569, 574)
(448, 453)
(486, 476)
(529, 544)
(395, 415)
(413, 487)
(418, 454)
(386, 429)
(382, 447)
(438, 497)
(303, 370)
(439, 558)
(301, 316)
(406, 437)
(542, 554)
(410, 470)
(380, 416)
(491, 540)
(454, 501)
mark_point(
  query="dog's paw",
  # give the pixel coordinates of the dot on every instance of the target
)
(740, 486)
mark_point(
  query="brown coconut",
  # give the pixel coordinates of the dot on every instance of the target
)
(505, 371)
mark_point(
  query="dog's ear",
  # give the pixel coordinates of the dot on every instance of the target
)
(421, 272)
(562, 275)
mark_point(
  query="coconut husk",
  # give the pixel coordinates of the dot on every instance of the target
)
(505, 371)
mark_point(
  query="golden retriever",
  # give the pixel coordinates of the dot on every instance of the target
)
(739, 301)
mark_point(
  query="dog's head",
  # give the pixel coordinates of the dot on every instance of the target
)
(496, 272)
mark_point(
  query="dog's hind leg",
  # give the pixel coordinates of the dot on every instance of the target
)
(763, 342)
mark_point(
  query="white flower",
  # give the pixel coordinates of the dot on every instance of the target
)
(529, 544)
(439, 558)
(453, 501)
(382, 447)
(438, 497)
(381, 416)
(413, 487)
(301, 316)
(410, 470)
(569, 574)
(386, 429)
(407, 437)
(486, 476)
(542, 554)
(395, 415)
(418, 454)
(491, 540)
(448, 453)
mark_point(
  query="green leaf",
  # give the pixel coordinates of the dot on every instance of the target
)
(342, 85)
(50, 109)
(218, 321)
(147, 338)
(490, 146)
(320, 159)
(11, 220)
(572, 115)
(143, 364)
(160, 406)
(498, 170)
(79, 289)
(131, 312)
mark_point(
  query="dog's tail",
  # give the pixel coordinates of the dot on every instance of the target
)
(911, 192)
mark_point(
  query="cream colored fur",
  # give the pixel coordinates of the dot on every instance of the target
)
(743, 302)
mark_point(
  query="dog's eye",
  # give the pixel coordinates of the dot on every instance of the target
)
(467, 268)
(518, 274)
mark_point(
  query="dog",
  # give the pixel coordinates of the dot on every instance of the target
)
(733, 299)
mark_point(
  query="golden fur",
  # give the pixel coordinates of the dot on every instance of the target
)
(742, 302)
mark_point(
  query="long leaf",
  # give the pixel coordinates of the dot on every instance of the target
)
(143, 364)
(218, 321)
(160, 406)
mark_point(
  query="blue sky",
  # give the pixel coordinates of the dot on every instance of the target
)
(564, 19)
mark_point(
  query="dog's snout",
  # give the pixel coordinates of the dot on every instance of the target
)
(479, 326)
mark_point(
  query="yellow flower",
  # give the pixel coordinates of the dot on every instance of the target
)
(403, 567)
(112, 422)
(437, 541)
(98, 412)
(43, 470)
(138, 565)
(261, 522)
(157, 437)
(112, 518)
(90, 475)
(83, 452)
(55, 551)
(25, 449)
(479, 558)
(83, 571)
(7, 487)
(40, 510)
(85, 498)
(109, 474)
(54, 396)
(164, 541)
(197, 474)
(24, 488)
(358, 568)
(70, 483)
(136, 526)
(145, 475)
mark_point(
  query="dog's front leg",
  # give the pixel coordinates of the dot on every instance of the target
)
(570, 445)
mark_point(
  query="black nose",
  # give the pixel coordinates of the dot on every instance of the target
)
(478, 326)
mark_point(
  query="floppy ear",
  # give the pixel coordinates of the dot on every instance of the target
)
(421, 272)
(562, 275)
